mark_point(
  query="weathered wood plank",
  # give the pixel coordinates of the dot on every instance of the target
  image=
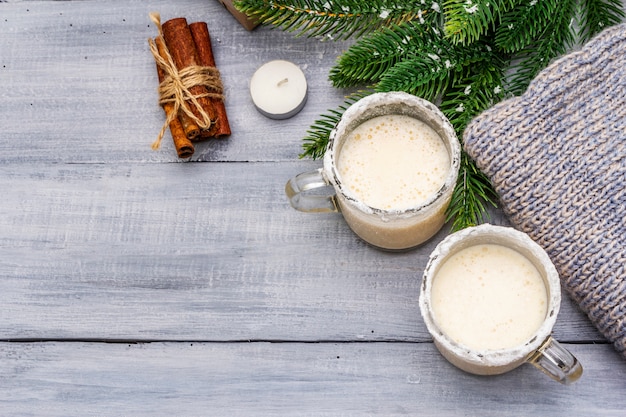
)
(197, 252)
(78, 82)
(264, 379)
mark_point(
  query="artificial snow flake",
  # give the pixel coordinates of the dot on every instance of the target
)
(467, 90)
(384, 14)
(434, 57)
(420, 16)
(470, 7)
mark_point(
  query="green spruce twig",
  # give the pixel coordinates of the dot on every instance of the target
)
(333, 19)
(467, 20)
(521, 26)
(555, 39)
(373, 56)
(596, 15)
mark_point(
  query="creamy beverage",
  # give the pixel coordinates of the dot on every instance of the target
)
(393, 162)
(488, 296)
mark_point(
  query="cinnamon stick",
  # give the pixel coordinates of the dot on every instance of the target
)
(184, 147)
(182, 48)
(202, 39)
(188, 124)
(182, 141)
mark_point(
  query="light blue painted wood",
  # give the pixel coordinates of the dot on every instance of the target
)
(290, 379)
(103, 239)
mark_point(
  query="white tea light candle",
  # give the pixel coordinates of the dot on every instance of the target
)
(278, 89)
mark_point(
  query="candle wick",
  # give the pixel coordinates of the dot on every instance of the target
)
(283, 82)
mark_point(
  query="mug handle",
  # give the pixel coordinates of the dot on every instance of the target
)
(557, 362)
(306, 181)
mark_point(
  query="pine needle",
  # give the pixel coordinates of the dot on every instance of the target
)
(468, 20)
(597, 15)
(521, 26)
(332, 19)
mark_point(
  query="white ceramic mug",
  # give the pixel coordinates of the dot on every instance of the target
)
(388, 228)
(490, 297)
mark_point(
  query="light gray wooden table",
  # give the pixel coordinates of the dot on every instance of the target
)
(134, 284)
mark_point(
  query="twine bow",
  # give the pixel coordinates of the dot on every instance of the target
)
(175, 87)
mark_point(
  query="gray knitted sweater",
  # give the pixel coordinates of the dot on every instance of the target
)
(556, 156)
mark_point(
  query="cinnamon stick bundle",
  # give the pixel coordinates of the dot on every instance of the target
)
(190, 87)
(182, 48)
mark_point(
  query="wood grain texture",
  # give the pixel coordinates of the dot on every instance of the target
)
(251, 308)
(289, 379)
(198, 252)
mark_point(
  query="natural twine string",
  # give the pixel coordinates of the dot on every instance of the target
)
(176, 85)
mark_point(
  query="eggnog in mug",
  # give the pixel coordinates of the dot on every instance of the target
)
(393, 161)
(489, 296)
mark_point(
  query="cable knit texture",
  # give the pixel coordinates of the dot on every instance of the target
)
(556, 156)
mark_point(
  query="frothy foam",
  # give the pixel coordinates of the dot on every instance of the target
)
(393, 162)
(489, 297)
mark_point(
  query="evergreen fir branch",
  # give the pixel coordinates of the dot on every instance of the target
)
(473, 189)
(555, 41)
(372, 56)
(433, 70)
(477, 92)
(468, 20)
(521, 26)
(425, 77)
(337, 19)
(596, 15)
(471, 96)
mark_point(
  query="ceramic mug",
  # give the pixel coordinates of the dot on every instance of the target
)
(490, 297)
(392, 222)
